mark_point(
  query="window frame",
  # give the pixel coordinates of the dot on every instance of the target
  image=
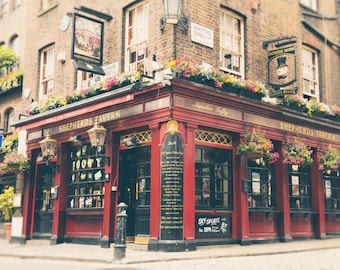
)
(331, 184)
(224, 50)
(207, 195)
(46, 61)
(139, 48)
(261, 192)
(310, 73)
(300, 193)
(312, 4)
(9, 119)
(4, 7)
(86, 178)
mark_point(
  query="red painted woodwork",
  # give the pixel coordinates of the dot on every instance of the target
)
(262, 225)
(318, 199)
(83, 224)
(282, 198)
(155, 208)
(332, 223)
(189, 183)
(302, 225)
(243, 113)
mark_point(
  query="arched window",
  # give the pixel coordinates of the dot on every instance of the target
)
(9, 120)
(14, 45)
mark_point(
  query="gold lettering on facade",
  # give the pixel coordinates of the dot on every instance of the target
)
(307, 131)
(105, 117)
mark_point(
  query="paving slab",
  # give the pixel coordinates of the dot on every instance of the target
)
(138, 254)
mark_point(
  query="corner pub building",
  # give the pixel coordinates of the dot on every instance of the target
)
(170, 155)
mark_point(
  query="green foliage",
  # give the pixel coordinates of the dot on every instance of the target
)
(6, 203)
(255, 142)
(297, 153)
(330, 159)
(7, 57)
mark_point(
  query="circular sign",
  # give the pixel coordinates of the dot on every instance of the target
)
(65, 22)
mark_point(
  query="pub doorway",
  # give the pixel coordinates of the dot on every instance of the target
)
(134, 190)
(44, 202)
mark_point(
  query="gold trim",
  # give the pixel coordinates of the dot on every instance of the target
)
(141, 137)
(172, 127)
(213, 137)
(142, 239)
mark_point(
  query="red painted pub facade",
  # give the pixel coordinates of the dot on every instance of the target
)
(170, 155)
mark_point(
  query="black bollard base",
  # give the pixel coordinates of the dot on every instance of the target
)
(119, 252)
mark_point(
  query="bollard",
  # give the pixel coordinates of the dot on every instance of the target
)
(120, 241)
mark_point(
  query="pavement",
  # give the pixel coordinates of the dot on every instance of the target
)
(137, 253)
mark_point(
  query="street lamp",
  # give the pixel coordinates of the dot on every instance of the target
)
(173, 14)
(97, 138)
(48, 147)
(97, 135)
(48, 150)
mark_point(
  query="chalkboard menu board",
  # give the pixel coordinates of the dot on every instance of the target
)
(172, 188)
(210, 225)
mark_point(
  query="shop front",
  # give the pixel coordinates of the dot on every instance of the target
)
(170, 154)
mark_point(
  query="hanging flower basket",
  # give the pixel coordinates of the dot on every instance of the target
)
(256, 146)
(330, 160)
(16, 162)
(297, 153)
(13, 168)
(254, 155)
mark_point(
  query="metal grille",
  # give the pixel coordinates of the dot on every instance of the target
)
(141, 137)
(213, 137)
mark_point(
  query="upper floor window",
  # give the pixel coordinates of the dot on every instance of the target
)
(232, 44)
(86, 79)
(137, 34)
(14, 45)
(9, 120)
(310, 73)
(17, 3)
(4, 8)
(46, 72)
(47, 4)
(312, 4)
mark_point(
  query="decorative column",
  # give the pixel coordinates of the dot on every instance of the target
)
(318, 205)
(282, 199)
(189, 189)
(242, 201)
(110, 197)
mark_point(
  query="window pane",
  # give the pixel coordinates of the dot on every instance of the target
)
(213, 186)
(137, 36)
(231, 44)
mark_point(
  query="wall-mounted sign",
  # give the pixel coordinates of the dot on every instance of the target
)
(210, 225)
(172, 165)
(282, 69)
(87, 44)
(202, 35)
